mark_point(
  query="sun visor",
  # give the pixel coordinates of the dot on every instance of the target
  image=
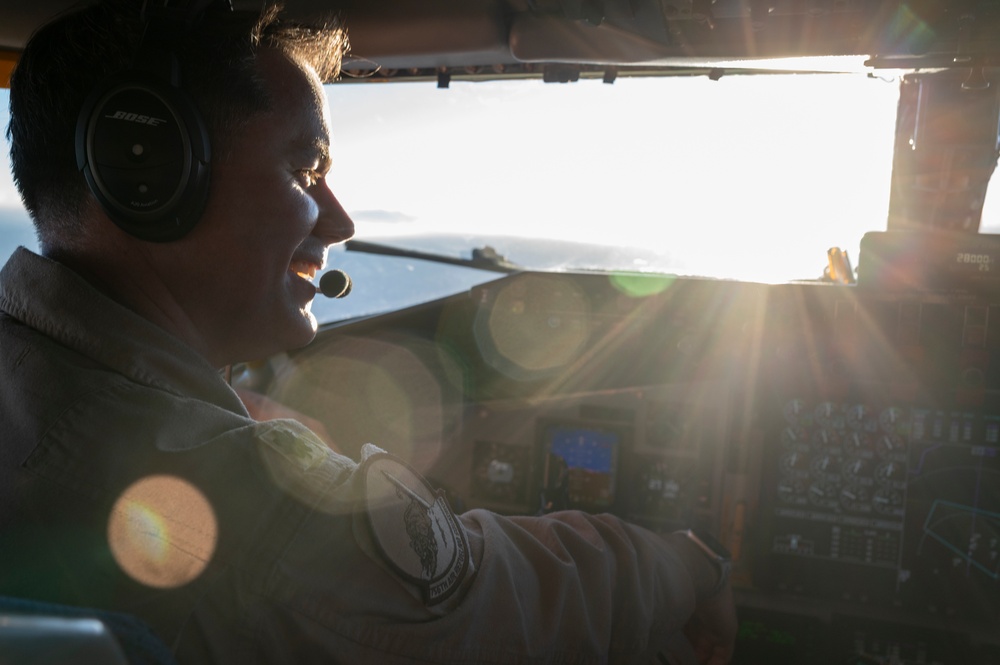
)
(427, 35)
(552, 39)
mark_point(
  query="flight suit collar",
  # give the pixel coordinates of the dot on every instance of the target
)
(48, 296)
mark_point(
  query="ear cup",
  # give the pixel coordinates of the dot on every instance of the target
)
(144, 151)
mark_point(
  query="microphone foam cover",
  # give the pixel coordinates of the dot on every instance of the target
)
(335, 284)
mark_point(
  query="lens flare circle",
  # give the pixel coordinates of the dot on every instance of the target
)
(162, 532)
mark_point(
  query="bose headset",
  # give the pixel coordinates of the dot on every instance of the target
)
(141, 143)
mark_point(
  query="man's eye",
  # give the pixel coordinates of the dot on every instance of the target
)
(309, 177)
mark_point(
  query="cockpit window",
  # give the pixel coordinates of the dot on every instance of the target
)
(745, 177)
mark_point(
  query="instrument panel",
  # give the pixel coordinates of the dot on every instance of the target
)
(907, 493)
(844, 443)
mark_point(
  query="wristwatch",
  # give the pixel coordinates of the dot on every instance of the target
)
(716, 553)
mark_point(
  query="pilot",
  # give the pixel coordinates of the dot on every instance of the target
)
(176, 165)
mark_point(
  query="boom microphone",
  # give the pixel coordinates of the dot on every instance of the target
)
(334, 284)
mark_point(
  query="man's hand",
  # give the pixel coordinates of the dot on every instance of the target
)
(712, 629)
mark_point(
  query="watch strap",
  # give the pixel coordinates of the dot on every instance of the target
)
(715, 552)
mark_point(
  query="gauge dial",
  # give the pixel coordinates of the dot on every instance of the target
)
(824, 494)
(825, 439)
(796, 412)
(890, 446)
(829, 415)
(826, 467)
(888, 501)
(894, 420)
(854, 498)
(793, 491)
(859, 443)
(890, 471)
(857, 468)
(795, 464)
(794, 436)
(861, 418)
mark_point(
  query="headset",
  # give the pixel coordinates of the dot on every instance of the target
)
(141, 143)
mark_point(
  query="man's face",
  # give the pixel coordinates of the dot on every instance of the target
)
(270, 218)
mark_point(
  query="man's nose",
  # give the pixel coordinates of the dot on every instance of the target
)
(334, 224)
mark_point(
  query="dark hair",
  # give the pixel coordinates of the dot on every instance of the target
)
(67, 59)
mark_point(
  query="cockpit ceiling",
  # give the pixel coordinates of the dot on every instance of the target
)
(502, 35)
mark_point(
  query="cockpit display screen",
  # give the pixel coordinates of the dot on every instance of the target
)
(581, 464)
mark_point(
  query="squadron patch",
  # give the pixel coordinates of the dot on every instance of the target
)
(414, 528)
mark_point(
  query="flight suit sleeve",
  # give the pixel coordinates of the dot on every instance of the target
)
(588, 580)
(382, 571)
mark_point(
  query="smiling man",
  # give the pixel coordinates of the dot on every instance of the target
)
(239, 286)
(132, 477)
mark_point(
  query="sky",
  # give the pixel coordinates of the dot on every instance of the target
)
(712, 173)
(746, 177)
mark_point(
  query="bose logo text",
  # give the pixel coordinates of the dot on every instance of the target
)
(135, 117)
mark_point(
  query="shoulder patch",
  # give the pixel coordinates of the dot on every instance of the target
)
(294, 442)
(414, 528)
(299, 463)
